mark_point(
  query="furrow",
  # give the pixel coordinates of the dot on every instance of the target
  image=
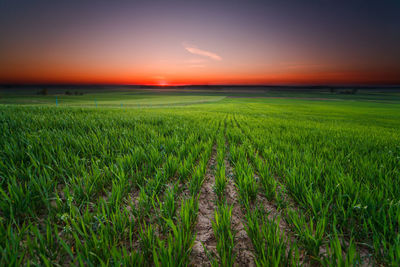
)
(243, 246)
(203, 228)
(363, 252)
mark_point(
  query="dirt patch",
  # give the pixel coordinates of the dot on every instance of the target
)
(243, 247)
(205, 235)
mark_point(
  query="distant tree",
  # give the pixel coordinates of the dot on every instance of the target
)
(68, 92)
(348, 91)
(44, 91)
(332, 90)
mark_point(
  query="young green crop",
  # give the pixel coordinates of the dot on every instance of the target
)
(272, 247)
(106, 186)
(222, 227)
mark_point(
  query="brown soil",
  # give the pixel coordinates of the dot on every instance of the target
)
(243, 246)
(270, 207)
(205, 236)
(274, 213)
(203, 229)
(365, 254)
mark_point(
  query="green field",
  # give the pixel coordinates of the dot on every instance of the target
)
(116, 99)
(191, 179)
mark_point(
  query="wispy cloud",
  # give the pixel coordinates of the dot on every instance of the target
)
(197, 51)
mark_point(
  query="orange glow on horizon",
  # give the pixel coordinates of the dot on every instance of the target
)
(162, 83)
(286, 78)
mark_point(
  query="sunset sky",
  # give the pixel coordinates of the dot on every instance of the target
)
(200, 42)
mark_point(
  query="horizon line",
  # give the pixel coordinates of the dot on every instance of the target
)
(209, 85)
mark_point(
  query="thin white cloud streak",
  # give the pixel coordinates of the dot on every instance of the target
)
(197, 51)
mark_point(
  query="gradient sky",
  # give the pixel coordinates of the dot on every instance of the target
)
(200, 42)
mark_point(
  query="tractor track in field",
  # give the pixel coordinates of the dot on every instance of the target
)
(207, 205)
(203, 229)
(243, 247)
(274, 212)
(363, 252)
(243, 250)
(134, 195)
(132, 203)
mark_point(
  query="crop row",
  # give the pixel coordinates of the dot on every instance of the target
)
(94, 191)
(124, 187)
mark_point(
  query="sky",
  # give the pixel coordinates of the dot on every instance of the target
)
(162, 42)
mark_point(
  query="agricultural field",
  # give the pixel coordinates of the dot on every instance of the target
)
(199, 180)
(109, 99)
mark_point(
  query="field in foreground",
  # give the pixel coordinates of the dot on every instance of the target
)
(229, 181)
